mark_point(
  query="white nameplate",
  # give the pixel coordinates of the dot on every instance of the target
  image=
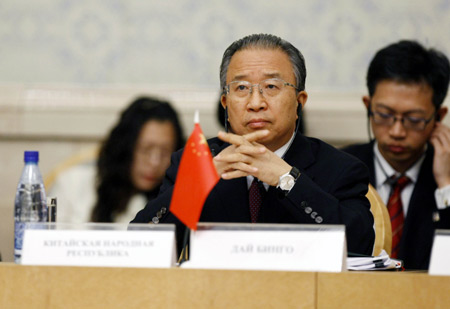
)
(111, 248)
(440, 254)
(256, 248)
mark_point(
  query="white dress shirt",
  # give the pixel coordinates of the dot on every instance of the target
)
(383, 171)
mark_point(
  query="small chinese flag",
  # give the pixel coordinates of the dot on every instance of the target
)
(195, 178)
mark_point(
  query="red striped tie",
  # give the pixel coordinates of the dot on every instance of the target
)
(395, 208)
(255, 200)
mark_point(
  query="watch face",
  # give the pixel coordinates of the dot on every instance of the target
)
(287, 182)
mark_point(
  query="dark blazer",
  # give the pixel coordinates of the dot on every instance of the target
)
(330, 190)
(419, 226)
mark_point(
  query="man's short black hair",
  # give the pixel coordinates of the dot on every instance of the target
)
(409, 62)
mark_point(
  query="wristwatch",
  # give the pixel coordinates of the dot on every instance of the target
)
(287, 181)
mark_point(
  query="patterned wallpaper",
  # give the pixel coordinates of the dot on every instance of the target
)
(180, 42)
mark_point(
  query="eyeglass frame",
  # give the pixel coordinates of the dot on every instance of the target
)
(393, 119)
(226, 88)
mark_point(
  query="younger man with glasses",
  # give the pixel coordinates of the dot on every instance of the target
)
(269, 173)
(407, 85)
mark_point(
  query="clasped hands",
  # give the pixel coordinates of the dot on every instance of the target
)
(245, 156)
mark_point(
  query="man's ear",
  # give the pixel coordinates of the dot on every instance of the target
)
(366, 101)
(441, 113)
(302, 97)
(223, 101)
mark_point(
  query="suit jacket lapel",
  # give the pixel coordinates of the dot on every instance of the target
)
(418, 230)
(425, 186)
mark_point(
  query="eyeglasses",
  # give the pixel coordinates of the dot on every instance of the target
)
(269, 88)
(408, 122)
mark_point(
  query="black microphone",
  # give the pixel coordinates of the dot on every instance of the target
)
(226, 119)
(261, 187)
(214, 149)
(259, 183)
(369, 132)
(297, 125)
(392, 180)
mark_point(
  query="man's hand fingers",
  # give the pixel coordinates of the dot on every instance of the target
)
(244, 139)
(231, 158)
(440, 137)
(257, 135)
(234, 174)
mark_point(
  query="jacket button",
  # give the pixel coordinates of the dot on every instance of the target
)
(308, 210)
(155, 220)
(313, 214)
(303, 204)
(436, 217)
(319, 219)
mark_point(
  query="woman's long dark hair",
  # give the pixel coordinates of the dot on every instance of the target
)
(113, 183)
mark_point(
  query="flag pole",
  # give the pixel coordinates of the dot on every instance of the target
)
(196, 117)
(184, 255)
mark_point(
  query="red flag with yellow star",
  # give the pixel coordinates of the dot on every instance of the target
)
(195, 179)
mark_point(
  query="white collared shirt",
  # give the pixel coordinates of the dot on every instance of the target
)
(383, 171)
(279, 152)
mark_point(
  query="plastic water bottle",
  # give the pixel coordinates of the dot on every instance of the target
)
(30, 203)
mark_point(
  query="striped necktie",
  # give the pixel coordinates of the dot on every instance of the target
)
(395, 208)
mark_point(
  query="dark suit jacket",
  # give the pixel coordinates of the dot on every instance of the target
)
(419, 226)
(332, 185)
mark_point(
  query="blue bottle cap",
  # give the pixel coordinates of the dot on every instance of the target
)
(31, 156)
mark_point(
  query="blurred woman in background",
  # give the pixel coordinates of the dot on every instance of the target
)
(133, 159)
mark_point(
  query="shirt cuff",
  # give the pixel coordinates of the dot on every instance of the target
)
(442, 197)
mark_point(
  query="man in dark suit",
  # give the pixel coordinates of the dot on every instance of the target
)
(407, 85)
(302, 180)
